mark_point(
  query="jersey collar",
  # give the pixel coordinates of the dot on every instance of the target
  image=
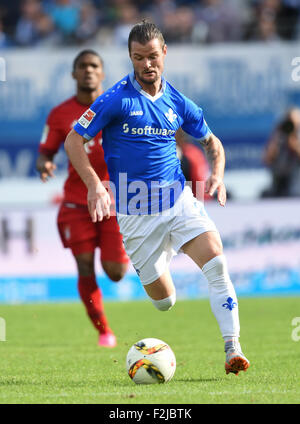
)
(137, 86)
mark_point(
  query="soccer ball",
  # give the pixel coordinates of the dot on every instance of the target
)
(150, 361)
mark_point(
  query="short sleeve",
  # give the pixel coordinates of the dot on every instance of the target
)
(194, 122)
(52, 135)
(98, 116)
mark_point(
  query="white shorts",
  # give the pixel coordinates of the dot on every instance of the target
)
(152, 240)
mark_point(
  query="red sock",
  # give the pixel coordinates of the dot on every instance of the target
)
(91, 296)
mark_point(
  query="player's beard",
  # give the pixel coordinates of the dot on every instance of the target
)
(149, 81)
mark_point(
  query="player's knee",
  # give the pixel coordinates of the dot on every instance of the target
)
(114, 271)
(215, 251)
(165, 304)
(115, 276)
(85, 265)
(216, 270)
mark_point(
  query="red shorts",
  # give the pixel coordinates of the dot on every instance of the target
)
(81, 235)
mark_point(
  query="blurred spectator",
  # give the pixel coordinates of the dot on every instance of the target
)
(89, 20)
(265, 30)
(217, 21)
(178, 25)
(10, 13)
(112, 13)
(5, 40)
(282, 156)
(66, 17)
(264, 25)
(71, 22)
(194, 165)
(33, 26)
(128, 15)
(160, 12)
(288, 19)
(283, 13)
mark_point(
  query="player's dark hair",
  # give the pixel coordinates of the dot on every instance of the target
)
(83, 53)
(143, 32)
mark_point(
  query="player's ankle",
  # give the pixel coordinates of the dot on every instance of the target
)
(105, 330)
(231, 342)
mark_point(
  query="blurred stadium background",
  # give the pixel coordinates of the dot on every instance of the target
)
(235, 58)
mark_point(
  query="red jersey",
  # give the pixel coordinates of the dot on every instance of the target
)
(60, 121)
(198, 168)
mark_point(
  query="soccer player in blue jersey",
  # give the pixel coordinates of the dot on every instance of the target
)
(157, 213)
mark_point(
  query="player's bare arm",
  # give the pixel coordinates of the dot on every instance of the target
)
(98, 197)
(45, 166)
(216, 156)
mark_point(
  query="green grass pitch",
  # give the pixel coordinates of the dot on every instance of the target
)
(51, 355)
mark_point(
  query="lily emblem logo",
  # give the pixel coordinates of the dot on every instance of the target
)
(171, 115)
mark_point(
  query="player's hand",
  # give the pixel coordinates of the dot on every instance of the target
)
(98, 202)
(46, 169)
(215, 183)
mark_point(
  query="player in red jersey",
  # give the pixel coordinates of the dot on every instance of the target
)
(76, 229)
(194, 165)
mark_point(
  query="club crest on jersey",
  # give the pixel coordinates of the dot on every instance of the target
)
(171, 115)
(86, 118)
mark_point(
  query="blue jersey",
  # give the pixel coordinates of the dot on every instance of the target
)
(138, 132)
